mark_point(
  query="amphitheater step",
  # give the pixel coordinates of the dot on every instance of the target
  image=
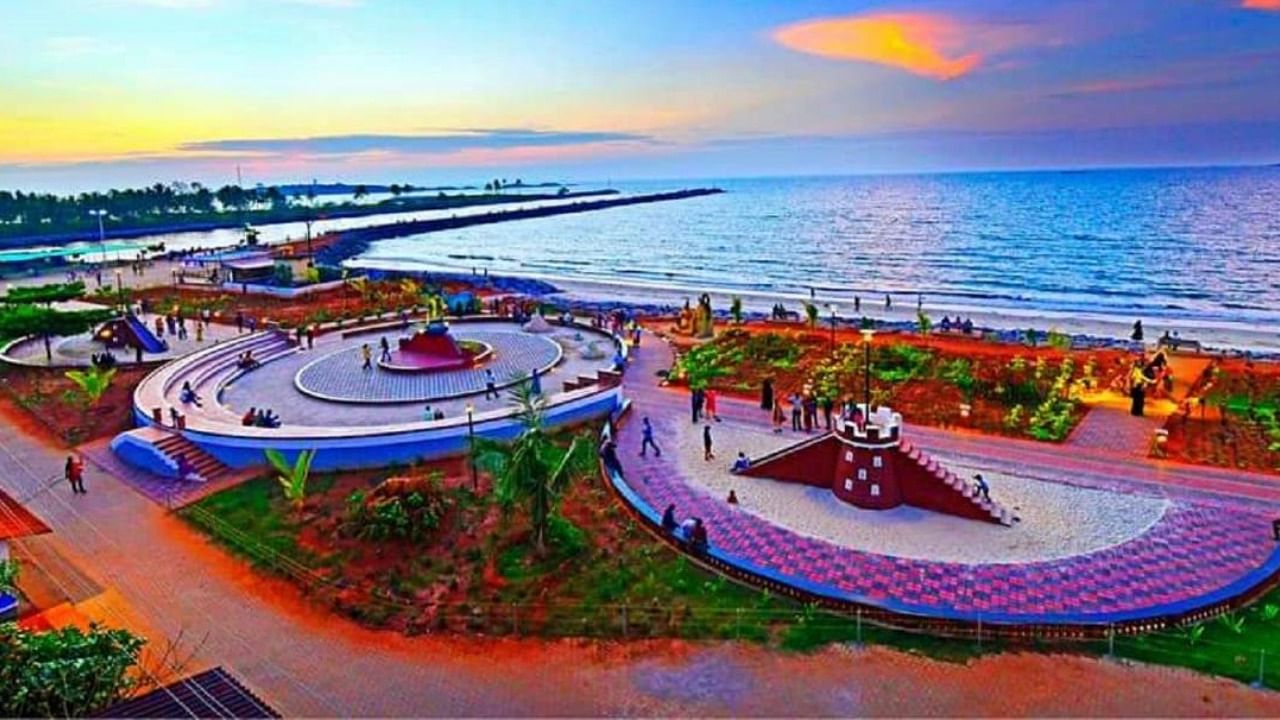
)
(204, 465)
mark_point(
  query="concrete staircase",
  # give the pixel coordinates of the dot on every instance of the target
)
(206, 467)
(965, 497)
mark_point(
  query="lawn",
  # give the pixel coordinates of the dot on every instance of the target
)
(603, 577)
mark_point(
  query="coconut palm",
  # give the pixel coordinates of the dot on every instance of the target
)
(293, 476)
(533, 470)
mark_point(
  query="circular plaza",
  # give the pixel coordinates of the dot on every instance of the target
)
(1087, 544)
(393, 392)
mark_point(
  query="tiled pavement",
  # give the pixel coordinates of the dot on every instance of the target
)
(272, 385)
(339, 376)
(1205, 544)
(1114, 430)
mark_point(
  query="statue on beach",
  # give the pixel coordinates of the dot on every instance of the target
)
(704, 320)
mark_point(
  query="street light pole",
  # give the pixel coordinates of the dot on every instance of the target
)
(867, 334)
(102, 234)
(471, 438)
(833, 309)
(120, 287)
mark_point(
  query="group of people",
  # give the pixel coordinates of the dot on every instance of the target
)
(704, 403)
(1148, 378)
(105, 360)
(246, 360)
(692, 531)
(306, 333)
(429, 413)
(245, 322)
(947, 325)
(260, 417)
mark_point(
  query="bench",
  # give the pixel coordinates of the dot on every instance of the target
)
(1176, 344)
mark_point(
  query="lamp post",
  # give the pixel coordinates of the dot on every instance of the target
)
(102, 234)
(833, 310)
(120, 287)
(471, 439)
(867, 334)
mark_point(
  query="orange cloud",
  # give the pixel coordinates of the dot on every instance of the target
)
(921, 43)
(1272, 5)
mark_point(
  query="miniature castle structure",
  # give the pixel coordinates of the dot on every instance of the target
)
(869, 465)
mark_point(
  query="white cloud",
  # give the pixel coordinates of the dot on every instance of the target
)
(67, 46)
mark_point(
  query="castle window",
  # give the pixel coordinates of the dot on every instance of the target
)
(875, 491)
(877, 461)
(848, 456)
(862, 473)
(848, 484)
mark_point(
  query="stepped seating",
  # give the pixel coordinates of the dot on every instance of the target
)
(205, 467)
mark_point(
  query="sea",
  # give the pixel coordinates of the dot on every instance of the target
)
(1193, 245)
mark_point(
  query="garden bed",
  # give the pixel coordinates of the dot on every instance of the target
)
(1014, 390)
(1237, 423)
(55, 403)
(351, 301)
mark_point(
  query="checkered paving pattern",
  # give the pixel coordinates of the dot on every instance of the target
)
(1197, 553)
(339, 376)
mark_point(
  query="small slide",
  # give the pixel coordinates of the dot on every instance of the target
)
(147, 339)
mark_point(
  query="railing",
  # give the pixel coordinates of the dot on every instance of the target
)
(802, 625)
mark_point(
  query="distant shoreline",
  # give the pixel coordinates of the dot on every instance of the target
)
(292, 214)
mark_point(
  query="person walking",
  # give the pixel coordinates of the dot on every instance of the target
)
(696, 399)
(74, 472)
(490, 385)
(857, 304)
(311, 336)
(797, 411)
(707, 454)
(712, 396)
(386, 349)
(779, 417)
(646, 441)
(888, 302)
(367, 354)
(828, 405)
(239, 321)
(766, 394)
(535, 382)
(1137, 333)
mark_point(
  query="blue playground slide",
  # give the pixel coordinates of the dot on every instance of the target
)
(150, 343)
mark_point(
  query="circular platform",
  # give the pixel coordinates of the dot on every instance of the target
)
(339, 377)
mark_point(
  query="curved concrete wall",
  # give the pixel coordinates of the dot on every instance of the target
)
(335, 451)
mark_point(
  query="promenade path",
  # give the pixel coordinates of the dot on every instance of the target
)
(163, 579)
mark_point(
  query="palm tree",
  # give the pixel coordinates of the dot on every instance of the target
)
(735, 310)
(811, 312)
(533, 470)
(293, 476)
(93, 383)
(9, 574)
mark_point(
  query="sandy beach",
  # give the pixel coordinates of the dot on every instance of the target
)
(1223, 335)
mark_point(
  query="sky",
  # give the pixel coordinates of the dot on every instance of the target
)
(103, 93)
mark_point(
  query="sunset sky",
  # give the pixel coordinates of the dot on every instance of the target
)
(95, 93)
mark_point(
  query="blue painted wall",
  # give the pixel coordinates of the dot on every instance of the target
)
(403, 448)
